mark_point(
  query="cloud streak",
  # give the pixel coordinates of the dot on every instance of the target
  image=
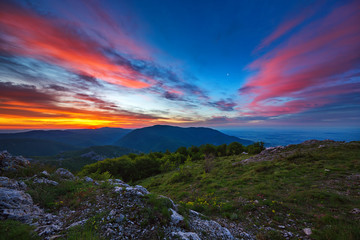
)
(28, 34)
(301, 73)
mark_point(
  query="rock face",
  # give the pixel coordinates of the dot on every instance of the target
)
(11, 163)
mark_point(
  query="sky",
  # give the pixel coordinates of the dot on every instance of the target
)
(226, 64)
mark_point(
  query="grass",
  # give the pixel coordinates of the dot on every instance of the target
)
(158, 210)
(89, 231)
(295, 190)
(67, 193)
(10, 229)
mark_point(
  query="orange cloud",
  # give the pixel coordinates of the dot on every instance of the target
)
(24, 106)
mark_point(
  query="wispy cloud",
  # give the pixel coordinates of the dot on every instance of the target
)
(29, 34)
(308, 67)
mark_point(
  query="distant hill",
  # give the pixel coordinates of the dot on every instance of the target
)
(163, 137)
(78, 138)
(75, 160)
(31, 147)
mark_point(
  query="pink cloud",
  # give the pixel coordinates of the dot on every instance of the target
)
(305, 68)
(28, 34)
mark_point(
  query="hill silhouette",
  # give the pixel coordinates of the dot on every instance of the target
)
(164, 137)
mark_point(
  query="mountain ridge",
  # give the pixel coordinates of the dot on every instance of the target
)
(166, 137)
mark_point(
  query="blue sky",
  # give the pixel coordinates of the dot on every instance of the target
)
(228, 64)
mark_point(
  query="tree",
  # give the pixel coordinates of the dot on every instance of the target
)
(235, 148)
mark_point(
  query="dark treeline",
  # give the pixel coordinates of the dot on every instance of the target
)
(133, 167)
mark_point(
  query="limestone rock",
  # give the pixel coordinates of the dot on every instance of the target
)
(88, 179)
(45, 181)
(64, 173)
(307, 231)
(186, 235)
(175, 217)
(17, 205)
(11, 163)
(12, 184)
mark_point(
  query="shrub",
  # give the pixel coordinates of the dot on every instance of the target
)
(255, 148)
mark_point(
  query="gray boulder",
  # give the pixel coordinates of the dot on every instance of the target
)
(64, 173)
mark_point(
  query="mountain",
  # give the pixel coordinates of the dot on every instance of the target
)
(77, 137)
(164, 137)
(31, 147)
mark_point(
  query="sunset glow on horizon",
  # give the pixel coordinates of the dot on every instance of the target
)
(130, 64)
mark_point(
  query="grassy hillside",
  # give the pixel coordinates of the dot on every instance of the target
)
(163, 137)
(314, 185)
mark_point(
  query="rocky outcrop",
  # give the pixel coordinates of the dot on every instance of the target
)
(124, 211)
(11, 163)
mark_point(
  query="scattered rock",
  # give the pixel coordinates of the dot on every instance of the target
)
(81, 222)
(45, 181)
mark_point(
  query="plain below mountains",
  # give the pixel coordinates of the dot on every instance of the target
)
(155, 138)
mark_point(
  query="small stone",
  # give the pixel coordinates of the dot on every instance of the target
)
(112, 212)
(307, 231)
(355, 211)
(281, 227)
(120, 218)
(45, 173)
